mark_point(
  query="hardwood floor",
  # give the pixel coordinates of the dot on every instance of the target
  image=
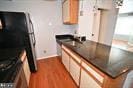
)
(51, 74)
(122, 44)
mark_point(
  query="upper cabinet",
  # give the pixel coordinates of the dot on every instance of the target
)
(70, 11)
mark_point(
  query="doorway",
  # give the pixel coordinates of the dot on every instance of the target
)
(123, 36)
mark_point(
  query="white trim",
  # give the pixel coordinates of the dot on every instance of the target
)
(47, 57)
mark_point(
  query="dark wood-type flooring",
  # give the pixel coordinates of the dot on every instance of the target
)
(51, 74)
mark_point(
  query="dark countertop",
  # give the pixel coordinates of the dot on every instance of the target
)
(110, 60)
(9, 75)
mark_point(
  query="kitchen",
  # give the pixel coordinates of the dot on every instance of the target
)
(46, 16)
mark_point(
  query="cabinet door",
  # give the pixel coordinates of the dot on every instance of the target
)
(66, 11)
(20, 81)
(65, 60)
(74, 71)
(26, 70)
(70, 11)
(87, 81)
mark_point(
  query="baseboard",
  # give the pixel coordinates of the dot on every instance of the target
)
(47, 57)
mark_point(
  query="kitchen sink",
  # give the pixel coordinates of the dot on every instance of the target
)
(73, 43)
(66, 40)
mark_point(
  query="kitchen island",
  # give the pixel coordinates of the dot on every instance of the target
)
(112, 64)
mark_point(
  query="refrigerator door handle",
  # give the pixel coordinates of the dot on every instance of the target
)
(31, 33)
(34, 43)
(33, 38)
(32, 28)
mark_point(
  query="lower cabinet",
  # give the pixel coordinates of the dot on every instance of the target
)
(20, 81)
(26, 70)
(86, 75)
(87, 81)
(25, 67)
(74, 70)
(65, 60)
(81, 72)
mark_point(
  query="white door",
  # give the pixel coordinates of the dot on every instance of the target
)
(96, 26)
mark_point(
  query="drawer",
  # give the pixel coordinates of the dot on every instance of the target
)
(93, 72)
(72, 54)
(75, 57)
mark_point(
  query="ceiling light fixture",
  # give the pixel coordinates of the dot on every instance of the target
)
(118, 3)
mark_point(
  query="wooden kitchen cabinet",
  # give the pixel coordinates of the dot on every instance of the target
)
(26, 70)
(87, 81)
(70, 11)
(74, 63)
(20, 81)
(23, 77)
(74, 70)
(65, 60)
(86, 75)
(90, 78)
(25, 67)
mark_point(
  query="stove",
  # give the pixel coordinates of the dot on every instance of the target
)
(9, 63)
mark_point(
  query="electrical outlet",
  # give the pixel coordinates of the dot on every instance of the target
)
(81, 13)
(44, 51)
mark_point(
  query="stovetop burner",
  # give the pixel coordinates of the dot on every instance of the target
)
(7, 64)
(8, 69)
(10, 63)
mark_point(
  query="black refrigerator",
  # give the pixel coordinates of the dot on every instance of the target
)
(16, 30)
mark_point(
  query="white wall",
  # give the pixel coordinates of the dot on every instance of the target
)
(47, 20)
(86, 21)
(108, 20)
